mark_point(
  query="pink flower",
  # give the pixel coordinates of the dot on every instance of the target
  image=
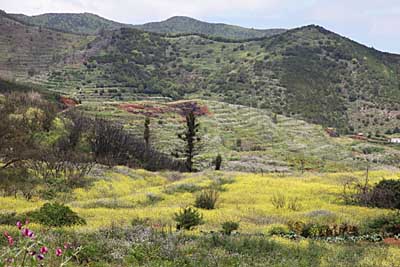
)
(58, 252)
(10, 241)
(28, 233)
(66, 245)
(19, 225)
(44, 250)
(9, 238)
(40, 257)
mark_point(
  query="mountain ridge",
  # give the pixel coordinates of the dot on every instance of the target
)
(180, 24)
(89, 23)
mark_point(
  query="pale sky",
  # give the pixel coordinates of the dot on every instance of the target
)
(374, 23)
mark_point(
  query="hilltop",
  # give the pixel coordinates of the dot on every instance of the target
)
(87, 23)
(185, 25)
(79, 23)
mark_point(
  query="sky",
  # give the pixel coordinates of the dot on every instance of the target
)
(375, 23)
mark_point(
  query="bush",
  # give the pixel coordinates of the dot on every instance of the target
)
(207, 199)
(279, 230)
(386, 194)
(315, 230)
(229, 227)
(188, 218)
(278, 201)
(55, 215)
(387, 224)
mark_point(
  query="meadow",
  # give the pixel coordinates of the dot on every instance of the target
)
(120, 196)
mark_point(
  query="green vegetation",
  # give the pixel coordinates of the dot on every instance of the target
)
(207, 199)
(55, 215)
(85, 23)
(229, 227)
(186, 25)
(188, 218)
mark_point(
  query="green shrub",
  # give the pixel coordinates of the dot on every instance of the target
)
(386, 194)
(207, 199)
(315, 230)
(279, 230)
(188, 218)
(229, 227)
(297, 227)
(55, 215)
(388, 224)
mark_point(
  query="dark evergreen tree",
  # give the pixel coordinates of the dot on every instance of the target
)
(192, 141)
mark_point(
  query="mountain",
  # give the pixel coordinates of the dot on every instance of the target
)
(185, 25)
(308, 73)
(84, 23)
(87, 23)
(27, 50)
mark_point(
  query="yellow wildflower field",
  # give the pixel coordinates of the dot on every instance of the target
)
(123, 194)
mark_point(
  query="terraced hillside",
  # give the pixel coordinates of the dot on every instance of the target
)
(307, 73)
(26, 51)
(249, 139)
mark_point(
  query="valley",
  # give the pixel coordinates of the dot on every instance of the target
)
(187, 143)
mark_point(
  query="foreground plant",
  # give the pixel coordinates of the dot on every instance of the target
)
(30, 251)
(188, 218)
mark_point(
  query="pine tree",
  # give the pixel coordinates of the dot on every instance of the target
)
(192, 141)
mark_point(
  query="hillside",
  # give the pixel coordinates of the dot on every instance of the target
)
(249, 139)
(308, 73)
(27, 50)
(80, 23)
(87, 23)
(185, 25)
